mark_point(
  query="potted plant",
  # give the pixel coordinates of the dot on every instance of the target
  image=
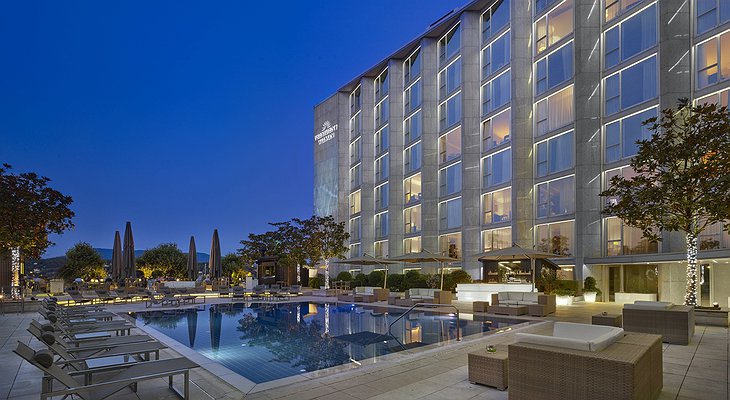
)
(590, 291)
(564, 297)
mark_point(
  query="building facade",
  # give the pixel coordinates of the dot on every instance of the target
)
(503, 123)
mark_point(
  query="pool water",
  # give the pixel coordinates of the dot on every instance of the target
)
(264, 342)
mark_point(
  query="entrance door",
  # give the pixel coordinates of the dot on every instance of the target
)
(614, 282)
(705, 277)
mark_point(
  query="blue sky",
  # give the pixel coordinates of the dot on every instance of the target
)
(183, 116)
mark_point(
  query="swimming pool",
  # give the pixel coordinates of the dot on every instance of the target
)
(263, 342)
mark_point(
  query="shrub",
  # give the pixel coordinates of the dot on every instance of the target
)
(344, 276)
(376, 278)
(454, 278)
(314, 282)
(547, 281)
(564, 292)
(360, 280)
(589, 285)
(396, 282)
(567, 284)
(414, 279)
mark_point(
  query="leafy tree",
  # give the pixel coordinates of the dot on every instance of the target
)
(165, 260)
(30, 211)
(344, 276)
(683, 179)
(82, 261)
(376, 278)
(232, 264)
(322, 238)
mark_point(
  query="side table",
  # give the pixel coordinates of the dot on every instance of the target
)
(480, 306)
(608, 320)
(489, 368)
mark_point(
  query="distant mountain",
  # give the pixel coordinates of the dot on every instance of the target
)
(107, 254)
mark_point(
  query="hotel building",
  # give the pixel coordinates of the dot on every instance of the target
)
(504, 121)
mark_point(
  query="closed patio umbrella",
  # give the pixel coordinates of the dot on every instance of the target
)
(426, 256)
(192, 260)
(516, 253)
(216, 322)
(214, 263)
(366, 259)
(130, 267)
(192, 316)
(117, 260)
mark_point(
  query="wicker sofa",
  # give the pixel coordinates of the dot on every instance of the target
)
(379, 293)
(675, 323)
(425, 295)
(585, 362)
(539, 304)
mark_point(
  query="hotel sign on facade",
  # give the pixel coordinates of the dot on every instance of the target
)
(327, 133)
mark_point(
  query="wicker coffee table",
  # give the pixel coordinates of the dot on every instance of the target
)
(480, 306)
(608, 320)
(489, 368)
(509, 310)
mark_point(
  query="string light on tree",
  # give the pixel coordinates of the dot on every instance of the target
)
(690, 296)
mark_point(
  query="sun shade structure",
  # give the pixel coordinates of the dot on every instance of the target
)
(117, 259)
(424, 256)
(517, 253)
(214, 263)
(367, 259)
(192, 260)
(130, 266)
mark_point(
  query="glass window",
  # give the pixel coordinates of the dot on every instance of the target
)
(450, 245)
(356, 125)
(713, 60)
(412, 219)
(412, 158)
(382, 196)
(631, 37)
(616, 7)
(556, 197)
(612, 47)
(622, 239)
(555, 238)
(449, 45)
(382, 139)
(381, 224)
(355, 151)
(355, 101)
(412, 245)
(714, 236)
(381, 113)
(450, 214)
(719, 98)
(450, 145)
(381, 249)
(381, 168)
(626, 172)
(412, 188)
(497, 206)
(555, 25)
(412, 67)
(381, 85)
(450, 78)
(450, 180)
(554, 112)
(554, 69)
(555, 154)
(495, 19)
(622, 135)
(412, 127)
(412, 98)
(355, 176)
(355, 229)
(496, 239)
(355, 206)
(496, 93)
(631, 86)
(496, 55)
(450, 112)
(497, 168)
(495, 131)
(711, 13)
(355, 250)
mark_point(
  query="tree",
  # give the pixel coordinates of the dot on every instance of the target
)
(233, 267)
(30, 211)
(683, 179)
(165, 260)
(82, 261)
(322, 238)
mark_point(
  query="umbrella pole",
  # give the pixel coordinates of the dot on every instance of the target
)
(385, 281)
(442, 276)
(532, 262)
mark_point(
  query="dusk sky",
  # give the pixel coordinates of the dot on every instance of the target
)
(183, 116)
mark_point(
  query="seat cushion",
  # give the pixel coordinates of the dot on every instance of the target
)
(530, 297)
(575, 336)
(44, 358)
(649, 305)
(518, 296)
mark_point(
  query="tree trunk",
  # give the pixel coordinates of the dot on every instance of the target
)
(326, 274)
(690, 297)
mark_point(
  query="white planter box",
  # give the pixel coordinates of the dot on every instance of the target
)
(564, 300)
(624, 298)
(589, 297)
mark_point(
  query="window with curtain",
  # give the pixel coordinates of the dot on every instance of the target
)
(711, 13)
(497, 206)
(450, 180)
(450, 245)
(555, 154)
(615, 8)
(556, 197)
(412, 158)
(381, 224)
(382, 196)
(450, 112)
(713, 60)
(631, 86)
(621, 136)
(412, 127)
(496, 130)
(450, 145)
(412, 188)
(450, 214)
(355, 205)
(554, 112)
(555, 25)
(496, 93)
(495, 19)
(412, 219)
(495, 239)
(496, 55)
(631, 37)
(497, 168)
(556, 238)
(450, 78)
(554, 69)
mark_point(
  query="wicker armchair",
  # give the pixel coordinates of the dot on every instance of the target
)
(676, 324)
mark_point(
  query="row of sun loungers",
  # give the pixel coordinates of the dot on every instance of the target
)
(168, 297)
(92, 354)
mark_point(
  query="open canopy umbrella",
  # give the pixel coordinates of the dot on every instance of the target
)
(426, 256)
(130, 268)
(516, 253)
(192, 260)
(117, 260)
(214, 262)
(367, 259)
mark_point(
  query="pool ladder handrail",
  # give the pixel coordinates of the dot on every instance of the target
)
(426, 305)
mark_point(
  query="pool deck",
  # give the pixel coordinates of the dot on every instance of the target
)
(697, 371)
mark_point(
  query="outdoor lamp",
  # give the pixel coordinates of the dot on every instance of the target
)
(716, 304)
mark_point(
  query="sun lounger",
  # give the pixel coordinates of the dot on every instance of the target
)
(115, 378)
(167, 299)
(91, 341)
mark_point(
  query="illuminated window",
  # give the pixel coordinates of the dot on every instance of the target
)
(555, 154)
(412, 245)
(381, 224)
(621, 136)
(719, 98)
(631, 86)
(450, 44)
(381, 249)
(412, 188)
(622, 239)
(555, 25)
(495, 239)
(355, 250)
(450, 245)
(450, 214)
(495, 131)
(496, 92)
(713, 60)
(495, 19)
(616, 7)
(496, 55)
(412, 219)
(497, 206)
(554, 69)
(450, 145)
(625, 172)
(497, 168)
(450, 180)
(556, 238)
(554, 112)
(355, 206)
(556, 197)
(631, 37)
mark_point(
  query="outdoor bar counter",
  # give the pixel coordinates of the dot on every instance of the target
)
(483, 291)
